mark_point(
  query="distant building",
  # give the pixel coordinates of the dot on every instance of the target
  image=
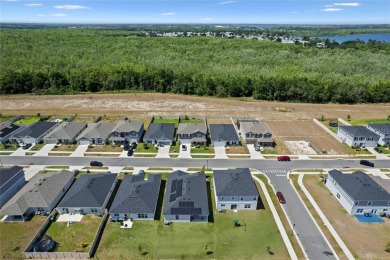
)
(65, 133)
(358, 136)
(127, 131)
(255, 132)
(192, 133)
(160, 134)
(383, 130)
(7, 129)
(96, 133)
(33, 133)
(223, 135)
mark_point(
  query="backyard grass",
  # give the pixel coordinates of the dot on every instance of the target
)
(166, 120)
(65, 147)
(84, 119)
(105, 148)
(237, 149)
(212, 240)
(9, 147)
(149, 148)
(326, 123)
(354, 234)
(191, 121)
(28, 120)
(15, 236)
(202, 149)
(37, 147)
(77, 237)
(369, 121)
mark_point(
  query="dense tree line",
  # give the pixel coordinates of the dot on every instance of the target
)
(62, 60)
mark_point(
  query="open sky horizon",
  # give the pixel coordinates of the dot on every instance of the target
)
(195, 12)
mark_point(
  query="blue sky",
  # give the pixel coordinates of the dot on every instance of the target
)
(203, 11)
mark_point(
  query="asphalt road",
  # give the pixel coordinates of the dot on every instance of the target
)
(310, 237)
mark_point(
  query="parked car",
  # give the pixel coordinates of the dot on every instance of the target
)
(378, 150)
(141, 172)
(26, 146)
(280, 197)
(284, 158)
(183, 147)
(126, 147)
(96, 163)
(366, 163)
(130, 152)
(133, 145)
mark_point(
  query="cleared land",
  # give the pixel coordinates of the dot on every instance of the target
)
(14, 237)
(307, 130)
(365, 240)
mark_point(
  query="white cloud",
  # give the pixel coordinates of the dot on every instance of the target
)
(226, 2)
(348, 4)
(328, 5)
(295, 12)
(59, 15)
(10, 0)
(70, 7)
(32, 5)
(41, 15)
(206, 19)
(167, 14)
(331, 10)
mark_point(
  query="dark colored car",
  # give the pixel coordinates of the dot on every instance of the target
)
(26, 146)
(280, 197)
(126, 147)
(133, 145)
(366, 163)
(183, 147)
(284, 158)
(130, 152)
(378, 150)
(96, 163)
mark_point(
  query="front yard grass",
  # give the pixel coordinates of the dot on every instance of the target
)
(175, 147)
(105, 148)
(28, 120)
(237, 149)
(65, 147)
(166, 120)
(15, 236)
(202, 149)
(356, 151)
(77, 237)
(153, 240)
(385, 150)
(58, 154)
(148, 148)
(37, 147)
(9, 147)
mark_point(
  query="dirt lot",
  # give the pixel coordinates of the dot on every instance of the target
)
(365, 240)
(307, 130)
(139, 105)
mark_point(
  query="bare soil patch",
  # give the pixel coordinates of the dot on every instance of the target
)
(237, 150)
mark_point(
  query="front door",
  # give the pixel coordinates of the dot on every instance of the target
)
(233, 206)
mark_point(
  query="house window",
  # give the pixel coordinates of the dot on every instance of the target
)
(384, 210)
(223, 205)
(254, 198)
(356, 202)
(247, 206)
(177, 216)
(359, 211)
(221, 198)
(94, 210)
(232, 198)
(242, 198)
(369, 203)
(142, 215)
(116, 215)
(338, 195)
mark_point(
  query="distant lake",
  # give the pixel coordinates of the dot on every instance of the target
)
(364, 37)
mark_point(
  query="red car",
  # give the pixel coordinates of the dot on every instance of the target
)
(284, 158)
(280, 197)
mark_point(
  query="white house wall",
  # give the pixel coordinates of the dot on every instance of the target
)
(344, 199)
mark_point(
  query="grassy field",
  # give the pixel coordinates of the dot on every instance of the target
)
(369, 121)
(166, 120)
(65, 147)
(28, 120)
(152, 240)
(191, 121)
(353, 233)
(75, 237)
(148, 149)
(15, 236)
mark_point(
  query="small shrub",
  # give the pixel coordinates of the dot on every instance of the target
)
(83, 245)
(387, 249)
(90, 146)
(145, 146)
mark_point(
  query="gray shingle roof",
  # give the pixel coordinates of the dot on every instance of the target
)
(136, 195)
(67, 130)
(223, 132)
(382, 128)
(184, 189)
(97, 130)
(160, 131)
(40, 191)
(237, 182)
(254, 126)
(359, 186)
(128, 126)
(7, 174)
(7, 128)
(185, 128)
(90, 190)
(359, 131)
(35, 130)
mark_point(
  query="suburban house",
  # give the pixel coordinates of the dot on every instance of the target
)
(136, 198)
(160, 134)
(358, 193)
(40, 195)
(186, 198)
(255, 132)
(89, 194)
(11, 181)
(383, 130)
(65, 133)
(235, 189)
(192, 133)
(127, 131)
(358, 136)
(8, 129)
(96, 133)
(33, 133)
(223, 135)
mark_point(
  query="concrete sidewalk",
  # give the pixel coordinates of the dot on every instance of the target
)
(80, 150)
(254, 154)
(45, 150)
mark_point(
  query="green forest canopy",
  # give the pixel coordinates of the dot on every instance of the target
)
(71, 60)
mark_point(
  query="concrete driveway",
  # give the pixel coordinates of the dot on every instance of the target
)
(32, 170)
(220, 152)
(80, 150)
(186, 153)
(21, 152)
(254, 154)
(163, 152)
(377, 155)
(45, 150)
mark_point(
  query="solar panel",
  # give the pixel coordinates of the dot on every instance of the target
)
(172, 197)
(173, 187)
(179, 189)
(186, 211)
(186, 204)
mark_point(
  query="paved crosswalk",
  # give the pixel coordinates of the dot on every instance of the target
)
(276, 172)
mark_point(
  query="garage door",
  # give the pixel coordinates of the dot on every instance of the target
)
(185, 141)
(84, 142)
(219, 143)
(164, 142)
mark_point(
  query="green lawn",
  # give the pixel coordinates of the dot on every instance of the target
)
(356, 151)
(326, 123)
(369, 121)
(175, 147)
(202, 149)
(5, 118)
(191, 121)
(385, 150)
(75, 237)
(9, 146)
(149, 148)
(153, 240)
(37, 147)
(28, 120)
(166, 120)
(65, 147)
